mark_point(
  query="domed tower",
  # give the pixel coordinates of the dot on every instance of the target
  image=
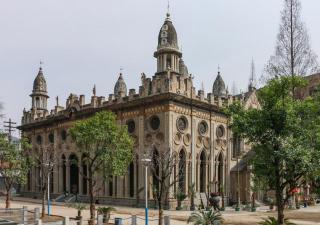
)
(168, 54)
(39, 93)
(183, 69)
(219, 87)
(120, 88)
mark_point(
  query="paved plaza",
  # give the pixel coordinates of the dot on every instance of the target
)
(305, 216)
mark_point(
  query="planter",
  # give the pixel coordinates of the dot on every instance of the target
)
(222, 209)
(237, 209)
(253, 209)
(192, 208)
(178, 208)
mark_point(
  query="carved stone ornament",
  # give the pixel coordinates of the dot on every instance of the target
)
(177, 138)
(148, 139)
(199, 141)
(187, 139)
(182, 124)
(135, 140)
(203, 128)
(159, 138)
(154, 122)
(206, 142)
(131, 126)
(220, 131)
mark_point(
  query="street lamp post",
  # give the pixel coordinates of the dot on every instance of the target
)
(49, 194)
(238, 184)
(49, 167)
(146, 161)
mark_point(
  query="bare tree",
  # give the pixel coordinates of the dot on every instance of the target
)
(163, 164)
(44, 158)
(293, 54)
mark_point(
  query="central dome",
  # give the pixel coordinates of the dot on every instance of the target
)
(40, 84)
(168, 35)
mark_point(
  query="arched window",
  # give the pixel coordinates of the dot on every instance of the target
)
(182, 171)
(131, 179)
(51, 138)
(203, 171)
(220, 172)
(74, 174)
(64, 173)
(38, 102)
(155, 164)
(39, 140)
(85, 173)
(29, 183)
(236, 144)
(110, 185)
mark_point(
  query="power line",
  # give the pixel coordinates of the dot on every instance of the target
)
(9, 128)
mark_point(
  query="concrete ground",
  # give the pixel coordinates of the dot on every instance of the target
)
(305, 216)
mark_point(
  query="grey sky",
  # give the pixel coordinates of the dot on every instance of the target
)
(83, 42)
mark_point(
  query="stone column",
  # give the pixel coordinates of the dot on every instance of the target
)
(193, 149)
(212, 164)
(80, 177)
(164, 62)
(60, 188)
(140, 180)
(68, 176)
(55, 181)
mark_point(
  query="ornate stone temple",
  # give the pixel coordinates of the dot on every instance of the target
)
(165, 113)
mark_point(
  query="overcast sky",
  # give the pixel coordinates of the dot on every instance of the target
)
(83, 42)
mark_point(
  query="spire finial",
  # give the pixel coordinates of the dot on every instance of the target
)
(219, 69)
(168, 8)
(121, 70)
(94, 90)
(202, 86)
(252, 80)
(57, 101)
(41, 63)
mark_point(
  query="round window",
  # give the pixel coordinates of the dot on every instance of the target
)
(131, 126)
(203, 128)
(154, 122)
(64, 135)
(220, 131)
(51, 138)
(39, 140)
(182, 123)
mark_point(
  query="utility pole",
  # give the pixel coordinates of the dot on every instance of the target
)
(9, 128)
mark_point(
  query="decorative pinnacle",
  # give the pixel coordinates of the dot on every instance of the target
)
(41, 63)
(168, 9)
(94, 90)
(57, 101)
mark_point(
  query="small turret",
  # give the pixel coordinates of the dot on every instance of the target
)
(120, 88)
(39, 93)
(183, 69)
(219, 87)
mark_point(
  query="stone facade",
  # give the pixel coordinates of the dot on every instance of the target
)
(165, 113)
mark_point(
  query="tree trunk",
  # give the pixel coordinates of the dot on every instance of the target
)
(280, 208)
(160, 213)
(92, 203)
(279, 197)
(192, 206)
(43, 213)
(8, 199)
